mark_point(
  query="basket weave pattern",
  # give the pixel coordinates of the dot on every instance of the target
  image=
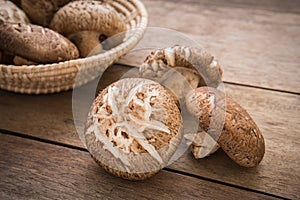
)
(56, 77)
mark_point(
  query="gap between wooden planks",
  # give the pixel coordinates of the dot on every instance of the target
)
(255, 46)
(277, 114)
(31, 169)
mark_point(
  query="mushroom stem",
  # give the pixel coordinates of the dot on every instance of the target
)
(22, 61)
(87, 42)
(203, 144)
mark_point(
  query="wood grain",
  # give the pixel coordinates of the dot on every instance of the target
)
(255, 46)
(277, 114)
(54, 172)
(289, 6)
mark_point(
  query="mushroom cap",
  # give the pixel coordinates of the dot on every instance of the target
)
(240, 137)
(133, 128)
(88, 15)
(9, 12)
(36, 43)
(41, 12)
(194, 61)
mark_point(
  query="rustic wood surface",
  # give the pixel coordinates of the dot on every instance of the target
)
(72, 174)
(276, 113)
(257, 44)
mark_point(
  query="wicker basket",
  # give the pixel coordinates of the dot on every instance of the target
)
(56, 77)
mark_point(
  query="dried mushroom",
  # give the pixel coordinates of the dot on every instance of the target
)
(35, 43)
(240, 137)
(133, 128)
(90, 17)
(195, 65)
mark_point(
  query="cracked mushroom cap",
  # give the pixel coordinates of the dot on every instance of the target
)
(35, 43)
(240, 137)
(9, 12)
(195, 64)
(79, 16)
(133, 128)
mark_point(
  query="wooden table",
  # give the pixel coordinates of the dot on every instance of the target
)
(258, 45)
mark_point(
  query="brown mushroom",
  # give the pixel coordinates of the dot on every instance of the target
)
(35, 43)
(9, 12)
(240, 137)
(90, 17)
(41, 12)
(133, 128)
(194, 65)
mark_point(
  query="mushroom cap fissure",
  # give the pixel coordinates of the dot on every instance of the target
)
(240, 137)
(36, 43)
(87, 15)
(9, 12)
(138, 122)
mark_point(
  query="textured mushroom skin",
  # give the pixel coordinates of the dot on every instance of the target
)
(41, 11)
(126, 175)
(194, 59)
(133, 128)
(240, 138)
(9, 12)
(36, 43)
(87, 15)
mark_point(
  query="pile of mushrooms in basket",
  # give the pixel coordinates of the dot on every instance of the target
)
(43, 32)
(134, 125)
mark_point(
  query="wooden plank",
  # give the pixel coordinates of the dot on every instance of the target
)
(277, 114)
(290, 6)
(45, 116)
(255, 47)
(35, 170)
